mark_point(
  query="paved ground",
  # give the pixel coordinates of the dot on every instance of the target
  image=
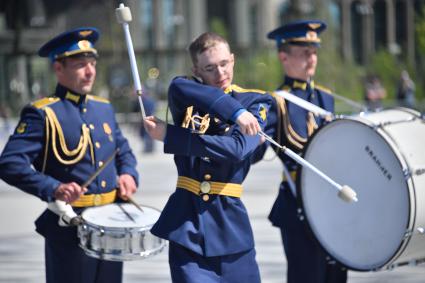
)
(21, 249)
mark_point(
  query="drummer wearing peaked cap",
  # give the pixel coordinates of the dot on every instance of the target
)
(60, 141)
(291, 125)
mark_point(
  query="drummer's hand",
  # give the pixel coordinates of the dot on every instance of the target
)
(69, 192)
(155, 127)
(248, 123)
(127, 186)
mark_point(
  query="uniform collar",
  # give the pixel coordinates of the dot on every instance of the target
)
(295, 83)
(66, 93)
(228, 89)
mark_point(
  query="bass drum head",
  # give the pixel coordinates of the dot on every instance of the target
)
(363, 235)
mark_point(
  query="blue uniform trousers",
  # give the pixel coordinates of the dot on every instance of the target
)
(306, 260)
(67, 263)
(187, 266)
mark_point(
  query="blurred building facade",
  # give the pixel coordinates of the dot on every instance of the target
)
(162, 29)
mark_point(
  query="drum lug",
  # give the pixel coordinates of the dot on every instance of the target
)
(102, 232)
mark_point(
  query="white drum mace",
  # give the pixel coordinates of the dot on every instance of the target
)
(124, 17)
(316, 110)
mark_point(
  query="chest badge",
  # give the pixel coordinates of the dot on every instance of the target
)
(262, 112)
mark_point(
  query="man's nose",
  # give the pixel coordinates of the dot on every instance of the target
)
(221, 70)
(90, 69)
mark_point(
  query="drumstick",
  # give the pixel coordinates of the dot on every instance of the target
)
(126, 213)
(133, 202)
(64, 210)
(344, 192)
(100, 169)
(124, 17)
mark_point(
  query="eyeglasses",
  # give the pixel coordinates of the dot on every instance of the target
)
(224, 64)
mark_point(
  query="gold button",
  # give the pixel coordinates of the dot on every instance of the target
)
(103, 184)
(100, 163)
(97, 144)
(97, 200)
(205, 187)
(205, 197)
(84, 110)
(207, 177)
(91, 126)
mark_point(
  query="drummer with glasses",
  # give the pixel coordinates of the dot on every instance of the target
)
(59, 143)
(290, 125)
(212, 139)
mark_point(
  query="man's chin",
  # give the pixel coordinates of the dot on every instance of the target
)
(87, 89)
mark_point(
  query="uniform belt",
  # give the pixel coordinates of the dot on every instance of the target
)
(205, 187)
(293, 176)
(95, 199)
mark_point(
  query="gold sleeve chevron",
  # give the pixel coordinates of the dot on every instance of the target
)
(191, 121)
(54, 133)
(284, 124)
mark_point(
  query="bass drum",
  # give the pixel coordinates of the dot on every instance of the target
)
(381, 156)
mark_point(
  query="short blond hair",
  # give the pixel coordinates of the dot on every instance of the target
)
(204, 42)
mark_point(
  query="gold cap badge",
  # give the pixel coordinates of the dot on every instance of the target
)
(85, 33)
(84, 44)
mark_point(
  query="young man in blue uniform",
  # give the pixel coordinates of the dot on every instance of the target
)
(59, 143)
(214, 134)
(291, 125)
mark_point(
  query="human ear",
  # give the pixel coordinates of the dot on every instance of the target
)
(195, 71)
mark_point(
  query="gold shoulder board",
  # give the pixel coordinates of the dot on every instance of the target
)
(44, 102)
(319, 87)
(98, 98)
(240, 89)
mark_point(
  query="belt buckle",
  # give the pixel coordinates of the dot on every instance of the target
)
(97, 200)
(205, 187)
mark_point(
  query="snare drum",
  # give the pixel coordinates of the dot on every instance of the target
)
(109, 233)
(381, 156)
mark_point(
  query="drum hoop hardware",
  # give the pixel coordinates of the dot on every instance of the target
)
(411, 232)
(407, 173)
(384, 124)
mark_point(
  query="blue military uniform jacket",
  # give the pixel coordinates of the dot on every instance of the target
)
(219, 224)
(65, 138)
(292, 125)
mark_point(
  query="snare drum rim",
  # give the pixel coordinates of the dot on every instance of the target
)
(403, 164)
